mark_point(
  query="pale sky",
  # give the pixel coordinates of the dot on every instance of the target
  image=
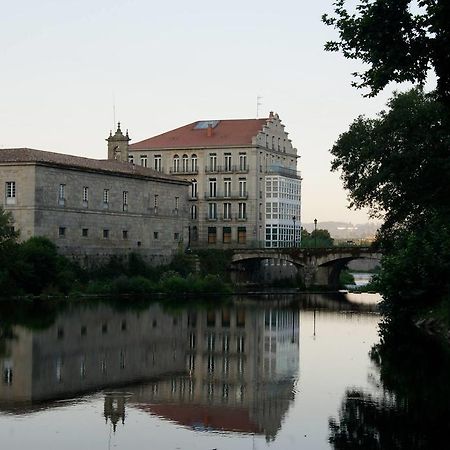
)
(65, 63)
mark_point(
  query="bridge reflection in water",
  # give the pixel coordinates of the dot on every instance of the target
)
(231, 368)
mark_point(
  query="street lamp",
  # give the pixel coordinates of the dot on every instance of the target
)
(315, 233)
(293, 219)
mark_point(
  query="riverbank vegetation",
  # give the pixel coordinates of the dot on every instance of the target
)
(398, 163)
(34, 267)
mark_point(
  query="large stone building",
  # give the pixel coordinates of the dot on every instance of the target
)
(245, 187)
(93, 209)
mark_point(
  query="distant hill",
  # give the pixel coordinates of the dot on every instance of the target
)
(346, 230)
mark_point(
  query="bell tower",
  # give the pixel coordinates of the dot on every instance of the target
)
(118, 145)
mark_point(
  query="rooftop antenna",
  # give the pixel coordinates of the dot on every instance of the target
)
(114, 110)
(258, 104)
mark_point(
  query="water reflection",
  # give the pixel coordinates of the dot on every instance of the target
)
(409, 404)
(231, 368)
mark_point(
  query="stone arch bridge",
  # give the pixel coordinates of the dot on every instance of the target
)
(316, 266)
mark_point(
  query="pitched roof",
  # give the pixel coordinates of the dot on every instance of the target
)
(223, 133)
(29, 155)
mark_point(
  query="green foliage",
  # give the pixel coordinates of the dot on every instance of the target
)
(214, 262)
(346, 278)
(396, 40)
(317, 238)
(396, 164)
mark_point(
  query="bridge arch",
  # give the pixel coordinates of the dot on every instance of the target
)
(321, 266)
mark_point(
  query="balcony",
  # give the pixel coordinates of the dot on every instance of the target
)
(284, 172)
(226, 169)
(221, 196)
(172, 171)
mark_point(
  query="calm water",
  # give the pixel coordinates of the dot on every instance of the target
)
(274, 372)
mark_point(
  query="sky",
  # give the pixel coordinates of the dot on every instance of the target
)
(68, 68)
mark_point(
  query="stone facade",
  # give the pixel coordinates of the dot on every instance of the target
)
(245, 187)
(93, 209)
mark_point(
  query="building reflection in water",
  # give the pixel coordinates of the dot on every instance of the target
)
(228, 369)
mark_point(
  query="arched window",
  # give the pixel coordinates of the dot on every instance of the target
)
(194, 212)
(185, 163)
(279, 146)
(267, 141)
(194, 163)
(273, 142)
(176, 163)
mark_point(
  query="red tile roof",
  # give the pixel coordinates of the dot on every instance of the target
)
(225, 133)
(205, 417)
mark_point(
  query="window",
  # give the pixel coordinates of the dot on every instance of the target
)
(242, 187)
(62, 191)
(131, 159)
(242, 161)
(194, 163)
(105, 196)
(155, 203)
(125, 200)
(144, 160)
(85, 194)
(10, 190)
(227, 187)
(157, 163)
(212, 188)
(242, 211)
(212, 233)
(176, 236)
(176, 163)
(194, 212)
(124, 234)
(185, 163)
(194, 189)
(62, 231)
(177, 203)
(240, 344)
(212, 162)
(8, 374)
(242, 235)
(85, 232)
(226, 324)
(227, 161)
(155, 235)
(105, 233)
(212, 211)
(226, 235)
(227, 211)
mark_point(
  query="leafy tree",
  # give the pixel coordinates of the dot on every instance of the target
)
(8, 235)
(317, 238)
(396, 164)
(37, 264)
(8, 249)
(399, 40)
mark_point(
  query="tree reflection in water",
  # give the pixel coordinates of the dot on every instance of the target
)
(410, 408)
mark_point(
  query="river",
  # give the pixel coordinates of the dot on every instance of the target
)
(277, 371)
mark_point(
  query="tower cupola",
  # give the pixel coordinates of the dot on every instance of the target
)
(118, 145)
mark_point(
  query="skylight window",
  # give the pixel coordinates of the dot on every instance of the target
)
(204, 124)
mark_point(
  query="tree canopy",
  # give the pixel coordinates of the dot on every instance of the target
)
(399, 40)
(397, 163)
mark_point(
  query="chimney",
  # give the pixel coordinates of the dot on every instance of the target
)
(209, 130)
(271, 114)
